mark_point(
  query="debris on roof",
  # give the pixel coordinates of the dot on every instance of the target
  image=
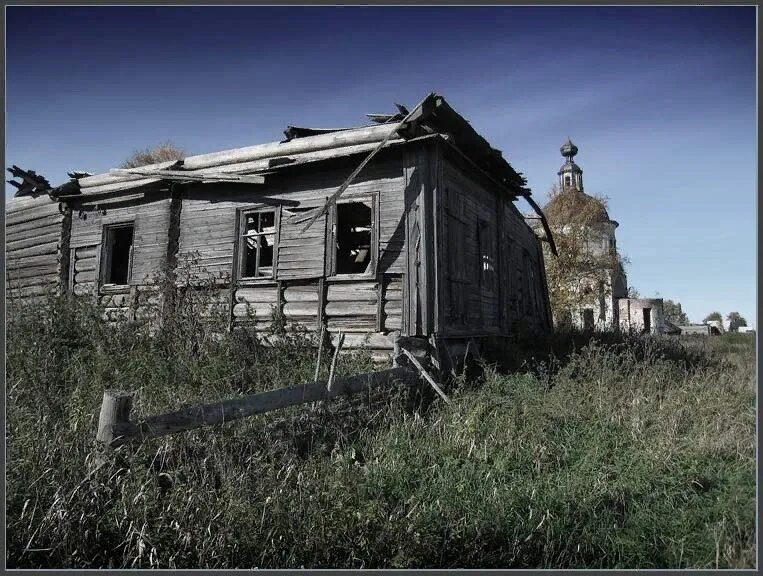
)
(31, 182)
(293, 132)
(433, 117)
(77, 174)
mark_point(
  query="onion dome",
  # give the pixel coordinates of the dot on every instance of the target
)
(568, 150)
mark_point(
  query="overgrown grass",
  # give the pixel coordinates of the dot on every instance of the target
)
(598, 453)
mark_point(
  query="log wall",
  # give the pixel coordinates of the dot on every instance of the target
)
(35, 239)
(490, 265)
(366, 307)
(455, 257)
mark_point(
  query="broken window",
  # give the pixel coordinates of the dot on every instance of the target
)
(258, 244)
(117, 254)
(486, 240)
(353, 237)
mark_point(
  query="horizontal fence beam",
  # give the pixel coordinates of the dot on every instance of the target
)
(115, 428)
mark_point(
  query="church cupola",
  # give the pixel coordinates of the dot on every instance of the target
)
(570, 174)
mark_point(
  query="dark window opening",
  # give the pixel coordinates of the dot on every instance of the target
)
(567, 181)
(118, 251)
(353, 238)
(647, 320)
(259, 242)
(485, 238)
(588, 319)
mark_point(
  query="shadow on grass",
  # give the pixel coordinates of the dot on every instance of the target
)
(554, 351)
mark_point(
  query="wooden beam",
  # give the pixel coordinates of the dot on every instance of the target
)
(297, 146)
(544, 222)
(311, 218)
(320, 353)
(119, 430)
(193, 176)
(425, 374)
(334, 360)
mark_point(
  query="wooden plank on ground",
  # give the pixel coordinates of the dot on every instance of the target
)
(234, 409)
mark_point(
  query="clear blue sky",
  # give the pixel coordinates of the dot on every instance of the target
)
(661, 102)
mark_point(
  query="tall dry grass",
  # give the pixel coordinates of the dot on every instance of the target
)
(597, 453)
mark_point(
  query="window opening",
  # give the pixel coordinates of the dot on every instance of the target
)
(259, 240)
(353, 238)
(588, 319)
(647, 320)
(118, 254)
(487, 255)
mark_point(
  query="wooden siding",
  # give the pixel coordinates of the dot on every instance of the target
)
(392, 309)
(33, 248)
(491, 277)
(208, 220)
(151, 221)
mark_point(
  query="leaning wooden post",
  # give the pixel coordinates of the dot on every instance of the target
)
(115, 409)
(339, 344)
(426, 375)
(320, 352)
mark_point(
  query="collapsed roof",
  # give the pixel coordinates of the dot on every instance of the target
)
(432, 118)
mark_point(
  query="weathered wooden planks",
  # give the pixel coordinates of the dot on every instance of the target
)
(33, 235)
(300, 145)
(115, 429)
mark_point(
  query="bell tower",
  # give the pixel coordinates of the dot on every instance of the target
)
(570, 174)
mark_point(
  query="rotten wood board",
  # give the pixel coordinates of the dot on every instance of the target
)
(237, 408)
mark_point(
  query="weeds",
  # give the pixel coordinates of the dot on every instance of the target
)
(596, 453)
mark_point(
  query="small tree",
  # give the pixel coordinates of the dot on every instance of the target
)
(736, 320)
(587, 263)
(633, 292)
(164, 152)
(713, 316)
(673, 312)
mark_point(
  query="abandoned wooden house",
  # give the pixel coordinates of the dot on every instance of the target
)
(404, 227)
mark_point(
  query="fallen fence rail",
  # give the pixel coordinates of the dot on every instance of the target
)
(115, 427)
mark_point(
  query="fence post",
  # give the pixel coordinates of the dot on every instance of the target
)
(115, 409)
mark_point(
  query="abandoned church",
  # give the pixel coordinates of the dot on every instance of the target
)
(407, 226)
(598, 299)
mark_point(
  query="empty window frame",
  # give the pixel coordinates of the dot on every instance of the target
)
(116, 259)
(354, 237)
(486, 241)
(257, 243)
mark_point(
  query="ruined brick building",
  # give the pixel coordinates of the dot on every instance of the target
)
(600, 302)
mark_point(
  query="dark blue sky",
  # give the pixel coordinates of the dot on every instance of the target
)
(661, 102)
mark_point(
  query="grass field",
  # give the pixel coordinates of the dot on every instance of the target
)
(598, 453)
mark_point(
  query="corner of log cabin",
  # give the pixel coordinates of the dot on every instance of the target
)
(449, 254)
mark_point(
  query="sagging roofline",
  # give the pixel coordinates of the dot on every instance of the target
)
(308, 145)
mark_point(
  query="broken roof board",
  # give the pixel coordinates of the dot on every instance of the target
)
(436, 115)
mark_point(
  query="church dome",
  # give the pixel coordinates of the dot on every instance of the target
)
(568, 148)
(571, 206)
